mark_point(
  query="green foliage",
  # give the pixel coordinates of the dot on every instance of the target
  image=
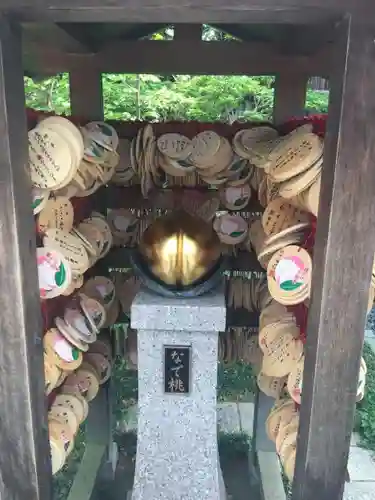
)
(233, 444)
(51, 94)
(202, 98)
(317, 102)
(365, 414)
(236, 382)
(163, 98)
(125, 383)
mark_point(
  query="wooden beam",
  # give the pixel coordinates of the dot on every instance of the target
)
(51, 34)
(181, 57)
(25, 469)
(289, 39)
(86, 94)
(190, 32)
(343, 257)
(212, 11)
(75, 31)
(290, 96)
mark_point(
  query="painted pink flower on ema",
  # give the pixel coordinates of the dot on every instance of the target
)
(288, 273)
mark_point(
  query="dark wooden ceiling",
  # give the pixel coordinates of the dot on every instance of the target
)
(92, 38)
(95, 36)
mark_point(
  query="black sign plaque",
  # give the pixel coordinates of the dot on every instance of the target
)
(177, 367)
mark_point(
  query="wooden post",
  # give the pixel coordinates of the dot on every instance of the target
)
(188, 32)
(86, 93)
(343, 257)
(25, 470)
(290, 96)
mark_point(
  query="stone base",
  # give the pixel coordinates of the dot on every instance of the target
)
(190, 495)
(177, 450)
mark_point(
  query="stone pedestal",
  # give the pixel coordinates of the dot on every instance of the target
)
(177, 452)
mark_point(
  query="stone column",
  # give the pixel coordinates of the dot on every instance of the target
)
(177, 451)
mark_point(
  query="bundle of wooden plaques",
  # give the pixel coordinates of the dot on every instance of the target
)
(208, 155)
(288, 166)
(174, 159)
(255, 144)
(278, 241)
(266, 247)
(295, 378)
(292, 166)
(278, 237)
(95, 307)
(154, 162)
(80, 378)
(282, 349)
(68, 251)
(69, 161)
(288, 188)
(279, 339)
(282, 428)
(295, 165)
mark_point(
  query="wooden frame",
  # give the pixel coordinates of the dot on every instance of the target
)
(343, 257)
(216, 11)
(25, 470)
(181, 57)
(341, 277)
(290, 96)
(86, 93)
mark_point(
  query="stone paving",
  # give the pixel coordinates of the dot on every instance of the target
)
(361, 468)
(361, 463)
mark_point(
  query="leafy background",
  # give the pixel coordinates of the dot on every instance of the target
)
(173, 97)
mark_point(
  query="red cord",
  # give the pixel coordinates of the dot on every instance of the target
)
(318, 122)
(300, 312)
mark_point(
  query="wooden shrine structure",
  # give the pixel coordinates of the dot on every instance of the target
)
(292, 39)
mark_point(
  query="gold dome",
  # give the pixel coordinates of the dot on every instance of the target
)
(180, 249)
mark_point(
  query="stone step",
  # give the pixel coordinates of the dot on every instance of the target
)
(246, 411)
(228, 418)
(358, 490)
(270, 473)
(361, 465)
